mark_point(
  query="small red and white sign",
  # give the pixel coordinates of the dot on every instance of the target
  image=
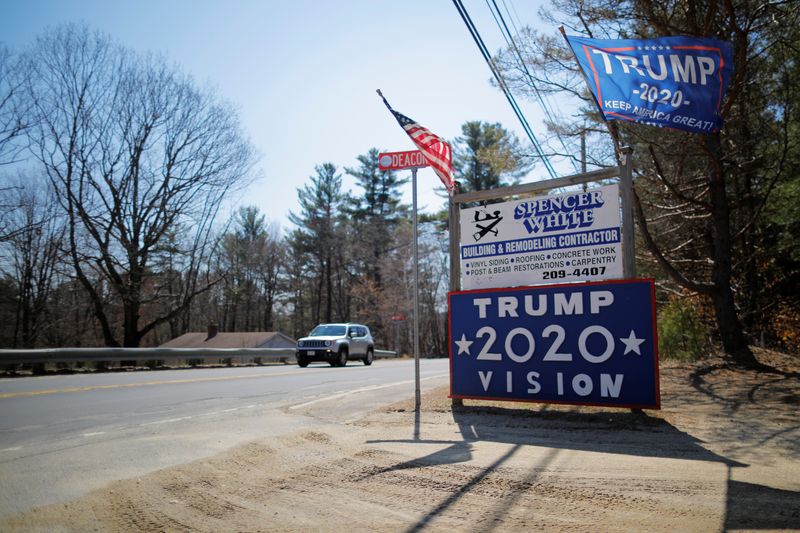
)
(401, 160)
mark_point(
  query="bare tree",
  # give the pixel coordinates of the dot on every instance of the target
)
(13, 117)
(30, 256)
(270, 272)
(433, 285)
(133, 150)
(13, 124)
(253, 260)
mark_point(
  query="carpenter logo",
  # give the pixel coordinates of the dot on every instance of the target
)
(486, 223)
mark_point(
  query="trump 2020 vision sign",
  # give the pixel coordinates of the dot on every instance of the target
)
(585, 343)
(557, 238)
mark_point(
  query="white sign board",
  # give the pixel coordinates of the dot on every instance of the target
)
(560, 238)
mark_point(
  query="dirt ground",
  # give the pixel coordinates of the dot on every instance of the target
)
(722, 454)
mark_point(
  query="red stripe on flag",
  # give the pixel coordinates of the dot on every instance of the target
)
(436, 151)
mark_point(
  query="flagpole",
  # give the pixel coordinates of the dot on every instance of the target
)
(417, 399)
(438, 154)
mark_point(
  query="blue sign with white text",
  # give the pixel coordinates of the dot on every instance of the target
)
(673, 82)
(583, 343)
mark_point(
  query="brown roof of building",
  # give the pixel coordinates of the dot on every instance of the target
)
(261, 339)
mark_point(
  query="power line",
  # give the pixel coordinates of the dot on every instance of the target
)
(501, 82)
(516, 30)
(513, 45)
(496, 21)
(509, 38)
(503, 86)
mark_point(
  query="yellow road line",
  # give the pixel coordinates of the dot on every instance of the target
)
(143, 384)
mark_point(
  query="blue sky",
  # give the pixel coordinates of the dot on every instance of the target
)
(303, 74)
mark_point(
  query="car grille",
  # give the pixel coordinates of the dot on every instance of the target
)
(313, 344)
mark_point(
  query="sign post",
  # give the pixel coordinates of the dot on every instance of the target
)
(454, 232)
(626, 194)
(417, 392)
(413, 160)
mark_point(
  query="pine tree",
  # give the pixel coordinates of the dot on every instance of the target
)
(318, 235)
(486, 156)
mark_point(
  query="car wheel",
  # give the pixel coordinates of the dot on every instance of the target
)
(370, 356)
(302, 362)
(342, 360)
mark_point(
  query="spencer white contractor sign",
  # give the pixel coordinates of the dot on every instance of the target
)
(559, 238)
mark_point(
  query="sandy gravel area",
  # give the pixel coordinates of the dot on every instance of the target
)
(722, 454)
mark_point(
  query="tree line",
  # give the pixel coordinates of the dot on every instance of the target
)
(115, 167)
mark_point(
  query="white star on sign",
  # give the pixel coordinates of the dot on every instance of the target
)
(632, 343)
(463, 345)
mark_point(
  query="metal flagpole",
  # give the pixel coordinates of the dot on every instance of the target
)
(417, 400)
(413, 130)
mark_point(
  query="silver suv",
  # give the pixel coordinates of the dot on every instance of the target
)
(336, 344)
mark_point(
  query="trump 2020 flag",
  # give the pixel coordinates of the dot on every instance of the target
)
(672, 82)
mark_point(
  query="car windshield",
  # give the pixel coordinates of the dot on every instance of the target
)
(328, 331)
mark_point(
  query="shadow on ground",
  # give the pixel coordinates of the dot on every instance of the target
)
(748, 505)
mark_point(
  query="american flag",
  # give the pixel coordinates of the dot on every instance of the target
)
(436, 151)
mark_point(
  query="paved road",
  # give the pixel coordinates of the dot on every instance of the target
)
(63, 436)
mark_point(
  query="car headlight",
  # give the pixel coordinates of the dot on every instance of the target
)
(327, 343)
(300, 344)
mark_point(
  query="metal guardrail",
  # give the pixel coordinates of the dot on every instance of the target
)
(85, 355)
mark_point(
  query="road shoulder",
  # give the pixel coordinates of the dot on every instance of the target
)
(722, 454)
